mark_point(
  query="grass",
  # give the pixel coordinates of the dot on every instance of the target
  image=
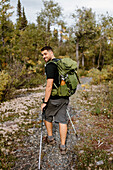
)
(94, 150)
(90, 158)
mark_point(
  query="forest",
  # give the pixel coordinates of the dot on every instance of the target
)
(88, 41)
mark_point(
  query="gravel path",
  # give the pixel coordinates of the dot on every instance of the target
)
(28, 156)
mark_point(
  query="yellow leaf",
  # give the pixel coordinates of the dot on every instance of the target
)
(39, 62)
(83, 85)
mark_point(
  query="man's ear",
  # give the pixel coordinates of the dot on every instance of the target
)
(51, 52)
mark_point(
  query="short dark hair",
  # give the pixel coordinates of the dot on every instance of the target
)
(47, 48)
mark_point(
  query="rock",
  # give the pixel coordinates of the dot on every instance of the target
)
(99, 163)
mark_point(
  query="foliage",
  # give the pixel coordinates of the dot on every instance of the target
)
(6, 32)
(82, 72)
(94, 125)
(98, 99)
(101, 102)
(21, 17)
(101, 76)
(21, 42)
(4, 82)
(85, 31)
(25, 77)
(104, 106)
(18, 76)
(93, 38)
(34, 80)
(89, 157)
(19, 12)
(51, 13)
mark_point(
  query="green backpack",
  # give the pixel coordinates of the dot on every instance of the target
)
(68, 77)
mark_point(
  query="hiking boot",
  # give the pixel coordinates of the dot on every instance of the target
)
(50, 141)
(63, 150)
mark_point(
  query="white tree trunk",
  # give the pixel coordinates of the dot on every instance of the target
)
(82, 59)
(77, 55)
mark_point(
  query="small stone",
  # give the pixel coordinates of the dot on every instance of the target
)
(77, 121)
(2, 149)
(90, 165)
(110, 159)
(82, 151)
(99, 162)
(27, 166)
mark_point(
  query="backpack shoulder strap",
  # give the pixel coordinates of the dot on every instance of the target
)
(77, 77)
(53, 61)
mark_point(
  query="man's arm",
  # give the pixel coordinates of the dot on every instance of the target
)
(47, 91)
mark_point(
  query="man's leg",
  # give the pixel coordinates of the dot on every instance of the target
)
(50, 139)
(49, 127)
(63, 133)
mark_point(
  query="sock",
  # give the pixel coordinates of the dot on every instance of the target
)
(50, 137)
(62, 146)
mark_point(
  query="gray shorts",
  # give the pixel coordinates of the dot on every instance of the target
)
(57, 108)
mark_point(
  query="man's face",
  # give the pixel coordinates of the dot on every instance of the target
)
(46, 55)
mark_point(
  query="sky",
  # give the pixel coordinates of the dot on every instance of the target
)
(32, 7)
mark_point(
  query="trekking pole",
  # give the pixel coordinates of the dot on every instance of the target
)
(72, 123)
(42, 113)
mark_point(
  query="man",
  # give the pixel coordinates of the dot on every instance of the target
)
(55, 106)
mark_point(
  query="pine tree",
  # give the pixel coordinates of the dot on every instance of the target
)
(19, 15)
(6, 31)
(4, 18)
(23, 20)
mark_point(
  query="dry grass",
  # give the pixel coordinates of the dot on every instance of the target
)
(94, 125)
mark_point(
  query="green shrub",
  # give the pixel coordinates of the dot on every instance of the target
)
(109, 72)
(33, 80)
(18, 76)
(101, 76)
(4, 81)
(23, 76)
(82, 72)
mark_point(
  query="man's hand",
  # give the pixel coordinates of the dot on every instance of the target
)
(43, 105)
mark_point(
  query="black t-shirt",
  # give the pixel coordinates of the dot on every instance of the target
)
(52, 72)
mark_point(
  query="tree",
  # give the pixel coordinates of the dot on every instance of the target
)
(85, 25)
(51, 13)
(4, 18)
(19, 14)
(23, 20)
(104, 39)
(55, 39)
(6, 30)
(48, 16)
(21, 17)
(62, 25)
